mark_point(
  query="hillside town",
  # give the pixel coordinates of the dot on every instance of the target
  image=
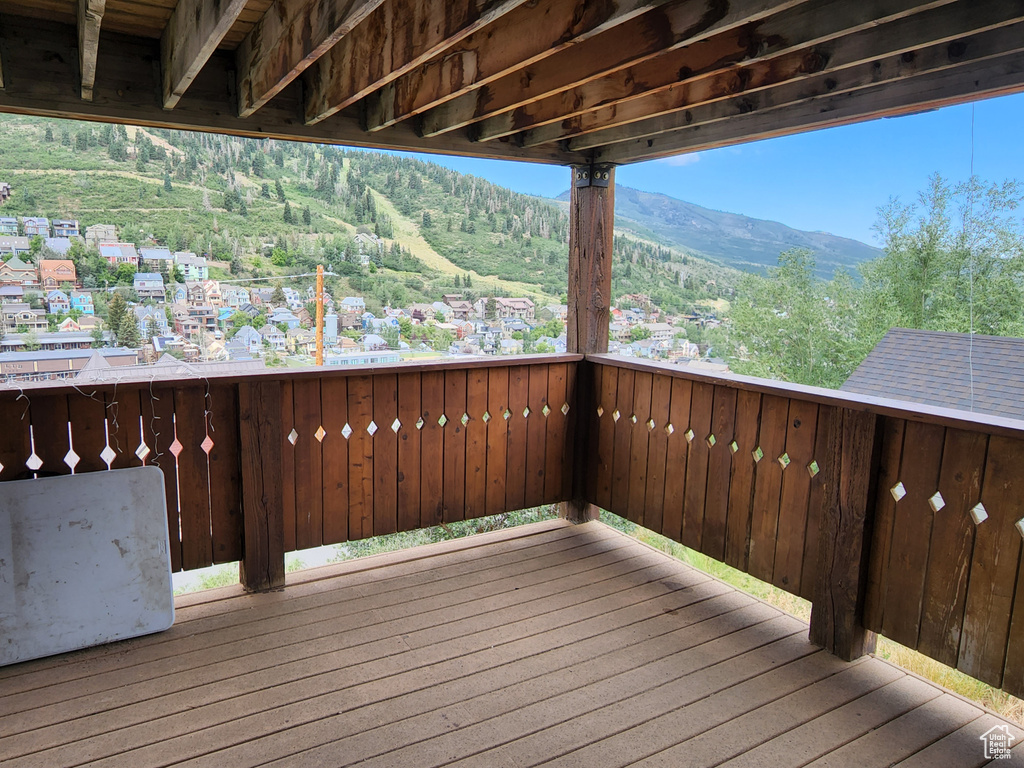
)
(161, 308)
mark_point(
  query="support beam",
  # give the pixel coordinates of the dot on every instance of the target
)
(192, 34)
(495, 50)
(854, 450)
(261, 438)
(677, 24)
(591, 225)
(396, 39)
(90, 16)
(292, 36)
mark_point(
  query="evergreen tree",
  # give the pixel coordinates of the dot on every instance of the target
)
(289, 217)
(48, 136)
(117, 311)
(167, 182)
(128, 334)
(307, 217)
(280, 190)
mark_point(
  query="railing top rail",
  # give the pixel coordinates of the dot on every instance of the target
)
(13, 391)
(979, 422)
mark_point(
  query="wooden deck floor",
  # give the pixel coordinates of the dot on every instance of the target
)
(550, 644)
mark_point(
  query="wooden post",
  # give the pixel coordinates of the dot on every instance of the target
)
(260, 435)
(844, 541)
(591, 223)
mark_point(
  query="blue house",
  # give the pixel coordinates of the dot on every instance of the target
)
(82, 302)
(57, 302)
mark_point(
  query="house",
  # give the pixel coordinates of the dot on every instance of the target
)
(66, 228)
(149, 285)
(152, 321)
(620, 332)
(348, 321)
(261, 296)
(14, 271)
(58, 245)
(192, 267)
(300, 341)
(56, 272)
(195, 293)
(660, 331)
(119, 253)
(8, 226)
(9, 293)
(57, 302)
(100, 233)
(273, 336)
(983, 374)
(234, 296)
(352, 304)
(35, 226)
(179, 293)
(69, 325)
(519, 308)
(292, 298)
(16, 246)
(155, 258)
(372, 342)
(285, 316)
(82, 302)
(369, 245)
(461, 309)
(421, 312)
(204, 315)
(446, 312)
(249, 338)
(14, 316)
(553, 312)
(211, 290)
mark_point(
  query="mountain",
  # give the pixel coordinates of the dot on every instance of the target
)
(732, 239)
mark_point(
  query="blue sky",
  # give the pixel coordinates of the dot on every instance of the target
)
(832, 180)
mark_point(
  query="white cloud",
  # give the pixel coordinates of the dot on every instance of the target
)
(681, 160)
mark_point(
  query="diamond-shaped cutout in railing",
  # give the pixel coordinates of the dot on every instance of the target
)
(711, 440)
(733, 446)
(936, 502)
(371, 428)
(320, 434)
(688, 434)
(600, 411)
(1, 466)
(346, 431)
(507, 414)
(293, 437)
(34, 462)
(176, 447)
(420, 423)
(979, 514)
(616, 415)
(813, 469)
(565, 409)
(526, 412)
(486, 417)
(71, 459)
(396, 425)
(545, 410)
(207, 445)
(464, 419)
(650, 424)
(442, 420)
(632, 419)
(1019, 525)
(108, 455)
(757, 454)
(669, 429)
(784, 460)
(898, 491)
(142, 451)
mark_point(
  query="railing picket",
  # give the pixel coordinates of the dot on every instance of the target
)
(431, 450)
(454, 446)
(14, 448)
(225, 477)
(497, 439)
(89, 436)
(893, 431)
(516, 425)
(476, 443)
(643, 385)
(720, 459)
(555, 424)
(309, 482)
(194, 478)
(827, 419)
(623, 430)
(796, 491)
(695, 495)
(657, 453)
(945, 588)
(768, 486)
(408, 451)
(123, 411)
(605, 434)
(536, 436)
(385, 454)
(741, 482)
(360, 458)
(50, 433)
(158, 427)
(288, 463)
(676, 460)
(334, 411)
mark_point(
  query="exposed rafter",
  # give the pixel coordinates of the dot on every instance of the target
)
(887, 99)
(291, 36)
(90, 16)
(195, 29)
(671, 26)
(527, 34)
(400, 36)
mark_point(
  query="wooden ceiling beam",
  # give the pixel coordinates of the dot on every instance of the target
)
(975, 78)
(192, 34)
(498, 49)
(796, 30)
(290, 37)
(903, 34)
(679, 23)
(401, 35)
(90, 16)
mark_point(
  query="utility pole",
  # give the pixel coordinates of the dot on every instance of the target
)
(320, 314)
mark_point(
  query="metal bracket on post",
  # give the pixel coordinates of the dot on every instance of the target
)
(598, 175)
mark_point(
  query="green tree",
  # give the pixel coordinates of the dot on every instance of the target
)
(279, 190)
(31, 341)
(639, 333)
(289, 217)
(48, 134)
(128, 334)
(307, 217)
(277, 297)
(117, 311)
(491, 309)
(167, 182)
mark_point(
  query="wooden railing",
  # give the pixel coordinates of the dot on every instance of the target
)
(893, 518)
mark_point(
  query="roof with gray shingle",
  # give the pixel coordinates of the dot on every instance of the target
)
(936, 367)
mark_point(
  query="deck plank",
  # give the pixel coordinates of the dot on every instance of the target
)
(553, 644)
